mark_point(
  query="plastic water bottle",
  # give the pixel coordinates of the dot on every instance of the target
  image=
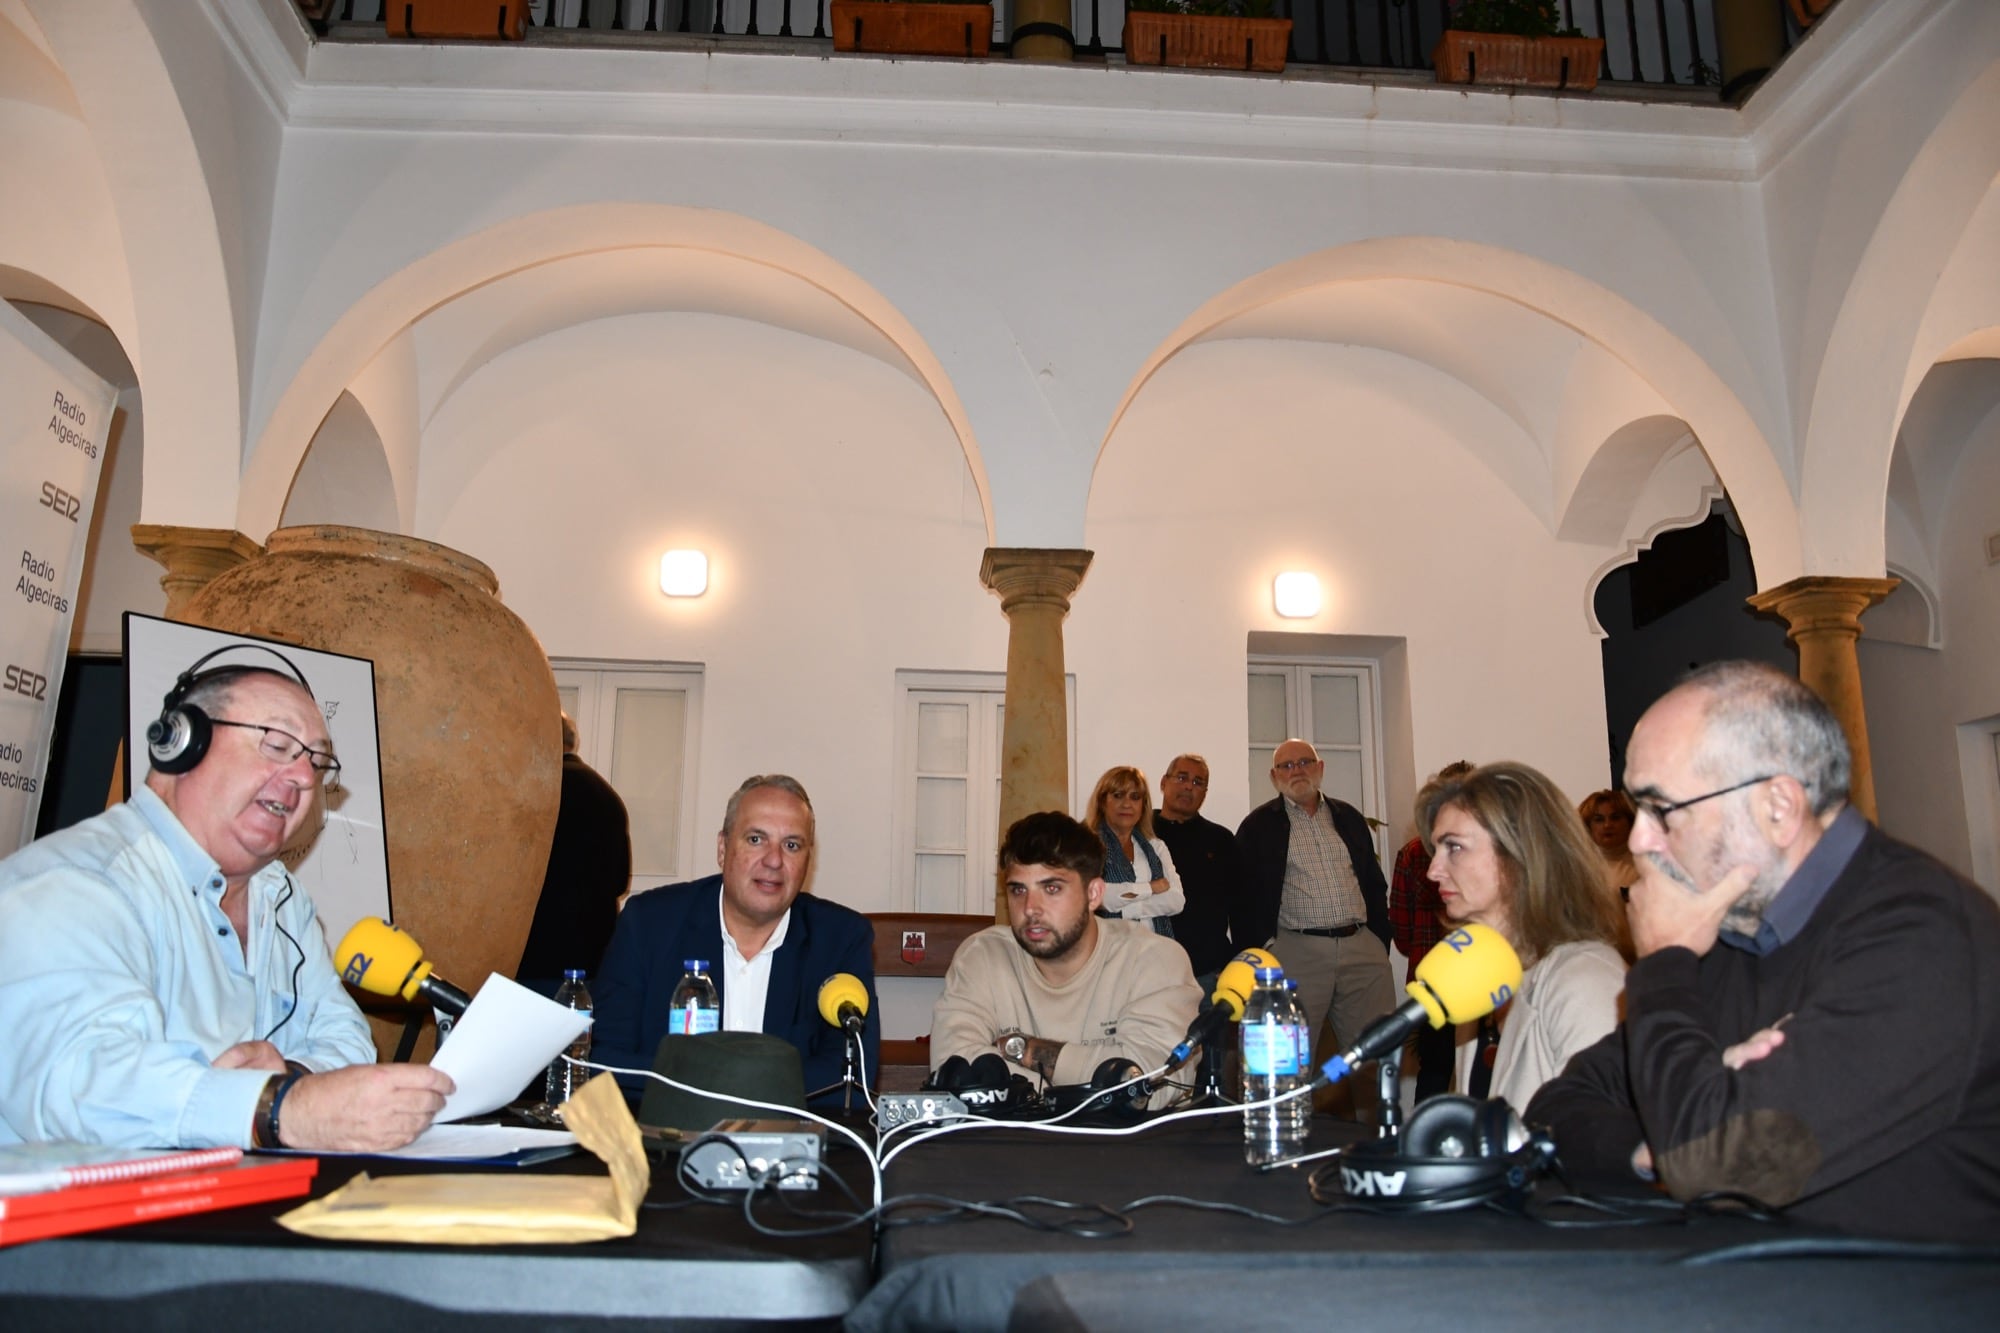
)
(563, 1077)
(1270, 1068)
(697, 1008)
(1300, 1108)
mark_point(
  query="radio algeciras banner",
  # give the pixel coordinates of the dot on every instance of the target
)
(55, 416)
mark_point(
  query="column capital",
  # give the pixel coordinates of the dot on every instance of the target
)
(1822, 614)
(1818, 603)
(1033, 575)
(191, 556)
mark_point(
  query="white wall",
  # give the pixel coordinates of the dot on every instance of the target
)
(1042, 277)
(1918, 698)
(843, 537)
(1341, 462)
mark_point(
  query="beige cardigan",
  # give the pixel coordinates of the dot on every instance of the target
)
(1568, 1001)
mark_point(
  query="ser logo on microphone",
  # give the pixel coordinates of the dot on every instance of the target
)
(357, 968)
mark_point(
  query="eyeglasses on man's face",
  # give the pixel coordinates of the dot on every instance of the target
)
(1295, 765)
(1658, 810)
(1183, 776)
(281, 747)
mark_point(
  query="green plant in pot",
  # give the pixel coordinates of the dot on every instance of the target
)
(1521, 18)
(1516, 43)
(1241, 9)
(1207, 34)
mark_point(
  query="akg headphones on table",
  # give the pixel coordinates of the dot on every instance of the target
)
(177, 739)
(1454, 1153)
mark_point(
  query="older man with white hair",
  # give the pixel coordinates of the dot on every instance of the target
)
(1814, 1017)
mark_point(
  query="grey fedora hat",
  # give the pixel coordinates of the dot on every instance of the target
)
(733, 1064)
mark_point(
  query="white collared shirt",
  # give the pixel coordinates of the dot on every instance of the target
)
(746, 981)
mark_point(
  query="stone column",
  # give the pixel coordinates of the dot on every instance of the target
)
(1041, 31)
(1035, 584)
(191, 557)
(1822, 614)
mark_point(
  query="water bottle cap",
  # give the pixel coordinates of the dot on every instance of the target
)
(572, 974)
(1270, 976)
(696, 964)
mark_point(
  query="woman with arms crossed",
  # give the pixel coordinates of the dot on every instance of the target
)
(1140, 883)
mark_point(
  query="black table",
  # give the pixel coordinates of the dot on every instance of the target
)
(1478, 1268)
(700, 1265)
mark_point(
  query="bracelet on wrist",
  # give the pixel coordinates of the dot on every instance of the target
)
(270, 1105)
(260, 1117)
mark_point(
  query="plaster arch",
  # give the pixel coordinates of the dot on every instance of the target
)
(180, 332)
(1601, 504)
(522, 244)
(59, 242)
(1860, 395)
(1685, 385)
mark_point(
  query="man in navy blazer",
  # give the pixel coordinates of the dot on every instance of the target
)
(769, 949)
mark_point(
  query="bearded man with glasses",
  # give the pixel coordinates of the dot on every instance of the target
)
(164, 983)
(1814, 1017)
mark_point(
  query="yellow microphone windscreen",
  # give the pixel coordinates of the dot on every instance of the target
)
(838, 989)
(377, 957)
(1466, 975)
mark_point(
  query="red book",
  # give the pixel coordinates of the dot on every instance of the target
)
(77, 1208)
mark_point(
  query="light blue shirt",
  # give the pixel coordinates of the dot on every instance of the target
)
(121, 980)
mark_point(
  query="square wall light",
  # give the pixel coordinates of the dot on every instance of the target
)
(1296, 594)
(684, 573)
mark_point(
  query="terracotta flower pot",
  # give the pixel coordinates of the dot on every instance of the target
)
(467, 712)
(909, 28)
(1522, 62)
(502, 19)
(1205, 41)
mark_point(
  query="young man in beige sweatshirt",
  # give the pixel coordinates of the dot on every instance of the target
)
(1059, 990)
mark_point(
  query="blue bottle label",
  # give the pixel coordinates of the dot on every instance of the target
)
(693, 1019)
(1269, 1050)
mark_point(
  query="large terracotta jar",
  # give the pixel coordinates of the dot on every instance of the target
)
(468, 716)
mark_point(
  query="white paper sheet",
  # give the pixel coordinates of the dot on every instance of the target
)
(477, 1143)
(506, 1039)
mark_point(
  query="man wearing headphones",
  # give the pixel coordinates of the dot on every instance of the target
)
(163, 982)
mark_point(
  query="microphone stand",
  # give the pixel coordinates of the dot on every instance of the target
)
(1214, 1052)
(849, 1073)
(1389, 1090)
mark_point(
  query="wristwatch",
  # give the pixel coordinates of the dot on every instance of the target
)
(1015, 1048)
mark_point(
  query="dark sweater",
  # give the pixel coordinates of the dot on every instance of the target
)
(1265, 837)
(590, 866)
(1205, 855)
(1879, 1114)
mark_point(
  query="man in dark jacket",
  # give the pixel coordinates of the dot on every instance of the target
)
(1315, 891)
(1814, 1018)
(769, 947)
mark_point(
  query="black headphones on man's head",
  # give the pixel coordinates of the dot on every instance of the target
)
(177, 739)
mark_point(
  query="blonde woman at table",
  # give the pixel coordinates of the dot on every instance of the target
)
(1511, 854)
(1140, 882)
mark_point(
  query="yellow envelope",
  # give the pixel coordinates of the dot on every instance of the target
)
(500, 1208)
